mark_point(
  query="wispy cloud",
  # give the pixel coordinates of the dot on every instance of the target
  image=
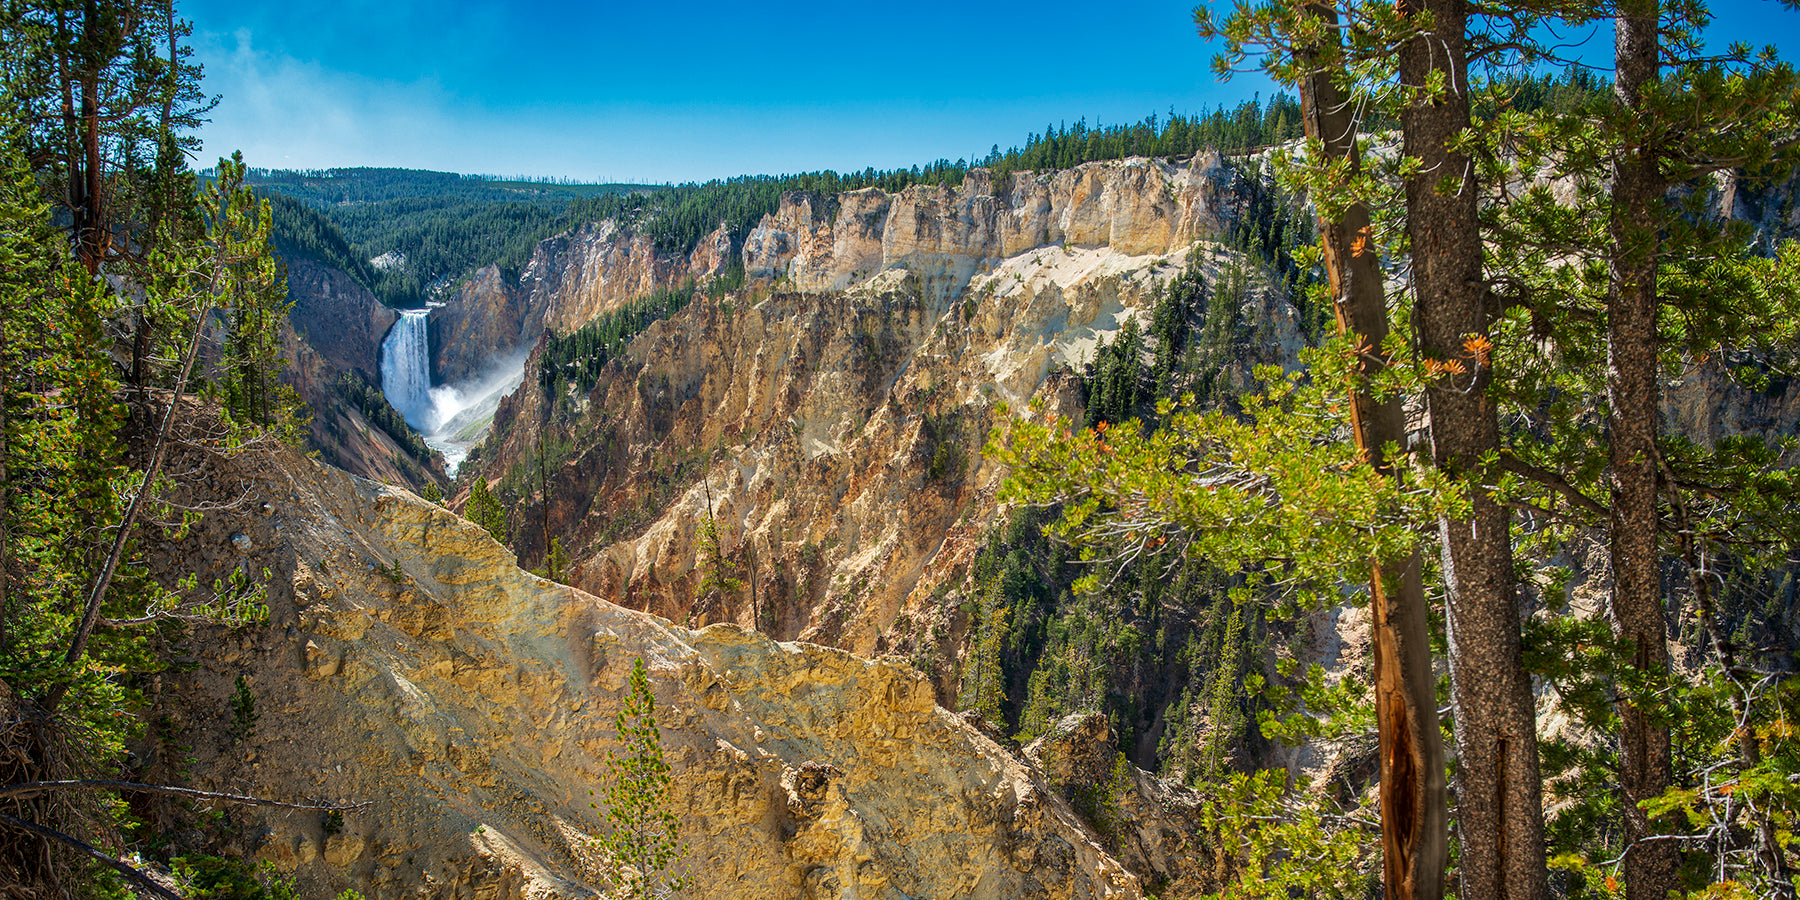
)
(288, 113)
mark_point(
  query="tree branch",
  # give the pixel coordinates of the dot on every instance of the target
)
(1554, 481)
(30, 788)
(131, 873)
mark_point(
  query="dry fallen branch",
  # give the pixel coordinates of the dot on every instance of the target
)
(28, 788)
(132, 873)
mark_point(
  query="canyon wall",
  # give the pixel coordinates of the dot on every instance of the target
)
(815, 242)
(336, 328)
(569, 280)
(465, 707)
(829, 418)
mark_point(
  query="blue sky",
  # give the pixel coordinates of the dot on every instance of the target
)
(673, 92)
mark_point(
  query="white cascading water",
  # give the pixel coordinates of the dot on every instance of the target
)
(406, 369)
(451, 418)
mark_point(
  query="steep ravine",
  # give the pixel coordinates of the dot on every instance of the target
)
(334, 331)
(831, 415)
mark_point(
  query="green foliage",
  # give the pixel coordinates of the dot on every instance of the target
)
(719, 576)
(1265, 494)
(1198, 342)
(641, 850)
(1116, 378)
(102, 97)
(577, 358)
(88, 202)
(1273, 494)
(432, 493)
(1101, 803)
(443, 225)
(394, 573)
(303, 232)
(677, 217)
(251, 287)
(204, 877)
(556, 562)
(983, 682)
(941, 434)
(1272, 841)
(373, 404)
(1251, 125)
(59, 470)
(243, 712)
(484, 509)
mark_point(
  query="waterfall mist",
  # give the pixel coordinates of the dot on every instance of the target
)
(451, 417)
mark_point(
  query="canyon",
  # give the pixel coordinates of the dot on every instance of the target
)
(803, 414)
(777, 497)
(825, 422)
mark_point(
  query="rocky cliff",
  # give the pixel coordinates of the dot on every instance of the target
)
(1133, 207)
(410, 667)
(824, 243)
(569, 280)
(338, 318)
(830, 418)
(335, 329)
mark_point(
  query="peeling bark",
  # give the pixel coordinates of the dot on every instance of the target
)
(1413, 831)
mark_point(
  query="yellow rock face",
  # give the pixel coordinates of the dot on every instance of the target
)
(834, 432)
(411, 667)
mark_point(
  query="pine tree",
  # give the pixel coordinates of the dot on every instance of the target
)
(641, 850)
(984, 684)
(102, 88)
(484, 509)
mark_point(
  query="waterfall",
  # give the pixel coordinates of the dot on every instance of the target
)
(406, 369)
(450, 417)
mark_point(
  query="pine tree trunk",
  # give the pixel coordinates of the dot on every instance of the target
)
(1413, 831)
(1632, 397)
(94, 237)
(6, 365)
(1500, 819)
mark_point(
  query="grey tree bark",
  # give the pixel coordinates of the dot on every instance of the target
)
(1500, 818)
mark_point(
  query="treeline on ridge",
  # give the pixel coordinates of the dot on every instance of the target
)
(443, 225)
(374, 406)
(678, 217)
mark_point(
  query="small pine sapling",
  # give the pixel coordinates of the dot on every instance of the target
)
(641, 851)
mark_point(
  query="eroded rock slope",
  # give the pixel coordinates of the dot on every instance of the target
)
(410, 666)
(829, 419)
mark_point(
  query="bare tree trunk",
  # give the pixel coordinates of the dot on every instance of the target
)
(1413, 830)
(1500, 818)
(75, 181)
(95, 236)
(1633, 396)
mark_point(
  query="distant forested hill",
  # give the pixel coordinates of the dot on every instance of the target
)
(403, 232)
(436, 225)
